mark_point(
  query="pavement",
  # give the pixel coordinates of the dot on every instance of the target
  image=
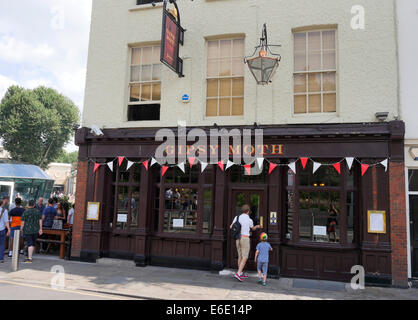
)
(119, 279)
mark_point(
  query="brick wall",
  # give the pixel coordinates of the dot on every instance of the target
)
(80, 207)
(398, 224)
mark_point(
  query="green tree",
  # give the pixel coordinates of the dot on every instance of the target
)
(36, 124)
(67, 157)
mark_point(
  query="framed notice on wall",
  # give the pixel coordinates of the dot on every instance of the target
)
(93, 210)
(376, 221)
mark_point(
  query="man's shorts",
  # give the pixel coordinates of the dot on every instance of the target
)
(263, 267)
(243, 247)
(12, 232)
(31, 239)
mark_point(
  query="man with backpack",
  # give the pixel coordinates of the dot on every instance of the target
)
(240, 229)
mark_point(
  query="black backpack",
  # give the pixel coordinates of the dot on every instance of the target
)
(236, 229)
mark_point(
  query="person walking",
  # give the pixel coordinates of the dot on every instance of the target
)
(15, 221)
(262, 258)
(31, 227)
(4, 224)
(40, 205)
(243, 240)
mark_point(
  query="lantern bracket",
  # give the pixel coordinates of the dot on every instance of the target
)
(264, 45)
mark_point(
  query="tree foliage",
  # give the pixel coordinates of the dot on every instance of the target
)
(36, 124)
(67, 157)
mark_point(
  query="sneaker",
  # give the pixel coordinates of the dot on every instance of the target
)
(238, 277)
(244, 275)
(10, 254)
(260, 281)
(28, 261)
(1, 261)
(264, 284)
(22, 252)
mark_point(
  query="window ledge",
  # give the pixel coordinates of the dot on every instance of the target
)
(146, 7)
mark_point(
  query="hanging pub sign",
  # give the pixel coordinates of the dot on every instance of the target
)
(171, 39)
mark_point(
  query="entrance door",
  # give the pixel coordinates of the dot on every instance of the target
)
(255, 199)
(6, 189)
(413, 216)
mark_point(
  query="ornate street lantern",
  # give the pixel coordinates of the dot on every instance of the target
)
(262, 66)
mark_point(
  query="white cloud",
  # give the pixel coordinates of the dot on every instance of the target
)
(5, 83)
(13, 50)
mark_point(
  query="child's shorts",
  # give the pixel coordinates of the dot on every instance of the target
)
(263, 267)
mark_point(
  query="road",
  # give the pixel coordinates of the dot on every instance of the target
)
(10, 290)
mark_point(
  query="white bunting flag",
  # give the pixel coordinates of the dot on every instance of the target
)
(181, 166)
(229, 164)
(153, 161)
(385, 164)
(292, 166)
(110, 165)
(316, 166)
(349, 161)
(260, 162)
(130, 164)
(204, 165)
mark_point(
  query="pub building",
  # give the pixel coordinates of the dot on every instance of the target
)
(321, 221)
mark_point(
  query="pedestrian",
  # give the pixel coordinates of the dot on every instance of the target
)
(243, 239)
(31, 227)
(49, 214)
(15, 216)
(4, 224)
(262, 258)
(70, 218)
(40, 205)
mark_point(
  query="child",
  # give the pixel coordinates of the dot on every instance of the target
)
(262, 254)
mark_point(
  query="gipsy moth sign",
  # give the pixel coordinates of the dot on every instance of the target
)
(172, 37)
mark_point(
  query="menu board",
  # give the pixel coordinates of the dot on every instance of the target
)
(93, 209)
(376, 221)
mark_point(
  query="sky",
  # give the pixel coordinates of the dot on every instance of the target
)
(45, 42)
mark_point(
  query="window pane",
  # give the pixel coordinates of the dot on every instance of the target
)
(330, 102)
(225, 107)
(156, 55)
(122, 209)
(156, 72)
(300, 62)
(180, 214)
(314, 61)
(238, 87)
(314, 82)
(225, 68)
(300, 42)
(134, 95)
(135, 73)
(329, 60)
(314, 41)
(213, 68)
(290, 208)
(413, 180)
(237, 106)
(156, 92)
(145, 92)
(225, 48)
(147, 57)
(350, 217)
(211, 107)
(237, 67)
(146, 73)
(300, 83)
(136, 56)
(134, 206)
(300, 104)
(314, 105)
(212, 88)
(207, 211)
(225, 88)
(213, 47)
(328, 39)
(329, 81)
(238, 49)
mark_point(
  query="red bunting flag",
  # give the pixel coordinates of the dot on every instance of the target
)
(364, 168)
(96, 166)
(272, 167)
(304, 162)
(248, 168)
(120, 160)
(191, 161)
(337, 167)
(221, 165)
(145, 163)
(164, 170)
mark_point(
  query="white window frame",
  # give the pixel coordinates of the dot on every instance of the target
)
(307, 72)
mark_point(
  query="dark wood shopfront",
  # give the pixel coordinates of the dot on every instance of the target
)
(182, 220)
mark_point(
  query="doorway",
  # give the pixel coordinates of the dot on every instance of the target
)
(413, 215)
(6, 190)
(256, 200)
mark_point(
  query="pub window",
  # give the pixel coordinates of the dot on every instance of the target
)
(145, 84)
(186, 196)
(413, 180)
(225, 78)
(139, 2)
(320, 201)
(126, 191)
(315, 72)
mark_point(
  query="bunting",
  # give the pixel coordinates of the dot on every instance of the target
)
(110, 165)
(272, 166)
(163, 170)
(248, 168)
(181, 166)
(260, 162)
(316, 166)
(364, 168)
(304, 162)
(221, 165)
(203, 166)
(96, 166)
(130, 164)
(229, 164)
(337, 167)
(349, 161)
(191, 162)
(120, 160)
(145, 164)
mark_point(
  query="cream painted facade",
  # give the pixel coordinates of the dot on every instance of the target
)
(367, 67)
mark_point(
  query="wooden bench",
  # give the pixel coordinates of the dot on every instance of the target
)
(65, 244)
